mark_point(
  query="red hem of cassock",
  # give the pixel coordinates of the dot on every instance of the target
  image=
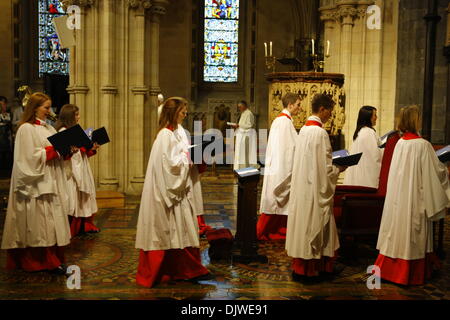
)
(271, 227)
(35, 258)
(202, 226)
(312, 267)
(87, 223)
(407, 272)
(158, 266)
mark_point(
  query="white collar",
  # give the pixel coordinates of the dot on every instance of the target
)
(286, 111)
(315, 118)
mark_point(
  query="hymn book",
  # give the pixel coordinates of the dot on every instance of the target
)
(385, 138)
(444, 154)
(343, 158)
(74, 136)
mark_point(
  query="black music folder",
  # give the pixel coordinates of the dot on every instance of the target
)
(343, 158)
(100, 136)
(385, 138)
(74, 136)
(444, 154)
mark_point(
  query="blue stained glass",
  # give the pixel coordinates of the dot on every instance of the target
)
(221, 38)
(52, 59)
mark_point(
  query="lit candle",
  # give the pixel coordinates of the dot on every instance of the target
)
(328, 47)
(312, 41)
(265, 49)
(271, 48)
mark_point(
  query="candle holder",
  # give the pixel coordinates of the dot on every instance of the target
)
(270, 62)
(317, 63)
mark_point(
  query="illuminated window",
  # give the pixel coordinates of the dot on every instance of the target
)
(52, 59)
(221, 40)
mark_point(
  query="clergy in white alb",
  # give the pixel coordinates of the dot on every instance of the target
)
(312, 238)
(36, 225)
(418, 193)
(365, 139)
(277, 172)
(167, 229)
(246, 140)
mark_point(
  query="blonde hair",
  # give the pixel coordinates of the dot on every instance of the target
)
(169, 113)
(409, 119)
(36, 100)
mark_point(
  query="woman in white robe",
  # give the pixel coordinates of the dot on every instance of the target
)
(36, 225)
(80, 180)
(312, 237)
(246, 141)
(418, 193)
(365, 140)
(167, 229)
(277, 172)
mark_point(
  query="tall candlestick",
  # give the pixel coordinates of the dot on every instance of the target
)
(328, 47)
(265, 49)
(312, 41)
(271, 48)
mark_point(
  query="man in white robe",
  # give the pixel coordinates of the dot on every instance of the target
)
(418, 193)
(277, 172)
(312, 238)
(246, 140)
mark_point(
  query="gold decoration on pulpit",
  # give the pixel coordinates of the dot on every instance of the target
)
(27, 92)
(307, 85)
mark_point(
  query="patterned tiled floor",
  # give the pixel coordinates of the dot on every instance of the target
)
(108, 262)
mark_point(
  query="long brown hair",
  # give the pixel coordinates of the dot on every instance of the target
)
(36, 100)
(170, 110)
(409, 119)
(66, 117)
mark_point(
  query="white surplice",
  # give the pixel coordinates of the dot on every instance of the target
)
(37, 207)
(81, 185)
(278, 166)
(311, 228)
(166, 215)
(246, 142)
(418, 192)
(367, 172)
(194, 174)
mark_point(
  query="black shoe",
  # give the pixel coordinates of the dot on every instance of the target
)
(61, 270)
(205, 277)
(305, 279)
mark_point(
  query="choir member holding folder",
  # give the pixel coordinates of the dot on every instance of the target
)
(167, 229)
(365, 139)
(80, 181)
(418, 193)
(277, 172)
(312, 238)
(36, 225)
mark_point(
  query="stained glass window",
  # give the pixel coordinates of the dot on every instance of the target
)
(52, 59)
(221, 40)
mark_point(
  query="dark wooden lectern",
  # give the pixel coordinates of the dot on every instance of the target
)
(246, 243)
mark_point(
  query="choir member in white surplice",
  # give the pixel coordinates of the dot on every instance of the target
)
(80, 180)
(36, 225)
(195, 172)
(365, 139)
(167, 229)
(246, 140)
(312, 238)
(418, 193)
(277, 172)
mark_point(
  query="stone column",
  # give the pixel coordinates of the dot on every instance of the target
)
(447, 54)
(136, 120)
(77, 88)
(152, 34)
(108, 91)
(329, 19)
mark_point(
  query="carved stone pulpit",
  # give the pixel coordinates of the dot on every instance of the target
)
(307, 84)
(245, 241)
